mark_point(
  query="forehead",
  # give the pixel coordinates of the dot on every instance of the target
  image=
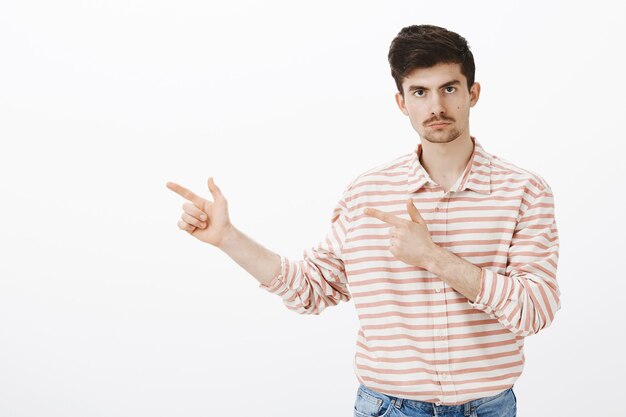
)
(434, 76)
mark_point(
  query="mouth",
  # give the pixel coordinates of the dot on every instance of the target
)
(438, 125)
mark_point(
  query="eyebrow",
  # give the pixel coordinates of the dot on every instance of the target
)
(449, 83)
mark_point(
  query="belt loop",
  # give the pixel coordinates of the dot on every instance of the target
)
(398, 403)
(468, 409)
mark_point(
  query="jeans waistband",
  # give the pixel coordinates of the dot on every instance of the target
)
(464, 408)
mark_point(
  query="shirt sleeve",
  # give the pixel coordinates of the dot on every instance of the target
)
(318, 280)
(526, 298)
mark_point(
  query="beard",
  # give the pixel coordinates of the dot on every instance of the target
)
(442, 136)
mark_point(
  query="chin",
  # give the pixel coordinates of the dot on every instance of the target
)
(443, 137)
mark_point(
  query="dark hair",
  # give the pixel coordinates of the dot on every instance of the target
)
(423, 46)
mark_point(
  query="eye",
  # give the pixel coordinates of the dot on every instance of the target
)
(419, 93)
(450, 89)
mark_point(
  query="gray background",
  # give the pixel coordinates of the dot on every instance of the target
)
(108, 309)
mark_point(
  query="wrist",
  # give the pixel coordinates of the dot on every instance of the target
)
(435, 258)
(229, 238)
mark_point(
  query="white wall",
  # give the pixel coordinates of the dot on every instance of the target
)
(108, 309)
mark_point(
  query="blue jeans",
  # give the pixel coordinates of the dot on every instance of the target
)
(370, 403)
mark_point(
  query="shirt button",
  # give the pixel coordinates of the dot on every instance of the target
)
(438, 289)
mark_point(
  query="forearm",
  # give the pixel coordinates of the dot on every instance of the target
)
(522, 308)
(460, 274)
(259, 261)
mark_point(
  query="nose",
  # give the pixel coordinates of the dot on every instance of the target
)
(436, 105)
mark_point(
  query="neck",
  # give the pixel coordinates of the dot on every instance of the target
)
(445, 162)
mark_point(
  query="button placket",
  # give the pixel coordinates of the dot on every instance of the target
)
(439, 213)
(441, 335)
(441, 354)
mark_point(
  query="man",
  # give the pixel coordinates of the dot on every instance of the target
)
(450, 253)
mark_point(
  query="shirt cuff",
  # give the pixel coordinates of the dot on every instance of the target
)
(491, 290)
(278, 284)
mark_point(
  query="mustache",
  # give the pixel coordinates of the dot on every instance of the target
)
(441, 119)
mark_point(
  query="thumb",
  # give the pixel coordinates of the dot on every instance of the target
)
(413, 212)
(214, 189)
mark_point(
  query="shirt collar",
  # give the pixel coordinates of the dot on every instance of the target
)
(476, 176)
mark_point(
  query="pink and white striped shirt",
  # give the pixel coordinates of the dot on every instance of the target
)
(419, 338)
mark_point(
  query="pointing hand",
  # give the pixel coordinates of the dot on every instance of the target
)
(410, 239)
(206, 220)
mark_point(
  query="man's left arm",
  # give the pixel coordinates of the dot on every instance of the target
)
(526, 297)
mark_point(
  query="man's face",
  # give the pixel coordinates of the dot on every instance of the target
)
(437, 102)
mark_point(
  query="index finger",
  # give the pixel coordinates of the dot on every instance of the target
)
(185, 193)
(386, 217)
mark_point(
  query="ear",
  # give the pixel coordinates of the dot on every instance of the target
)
(474, 93)
(401, 105)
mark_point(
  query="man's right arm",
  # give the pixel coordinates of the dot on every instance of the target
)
(209, 222)
(260, 262)
(306, 286)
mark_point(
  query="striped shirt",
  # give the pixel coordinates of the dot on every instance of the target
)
(418, 338)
